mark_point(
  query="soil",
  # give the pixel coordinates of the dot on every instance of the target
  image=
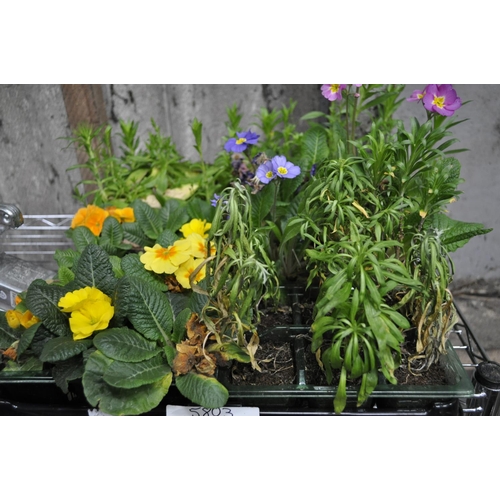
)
(276, 360)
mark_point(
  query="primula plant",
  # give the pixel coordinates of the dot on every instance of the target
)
(170, 290)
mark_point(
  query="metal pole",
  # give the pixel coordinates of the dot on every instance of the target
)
(486, 381)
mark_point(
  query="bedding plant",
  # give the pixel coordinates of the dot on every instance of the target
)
(169, 292)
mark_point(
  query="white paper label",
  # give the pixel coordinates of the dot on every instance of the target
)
(199, 411)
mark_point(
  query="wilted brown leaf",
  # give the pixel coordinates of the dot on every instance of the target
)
(183, 363)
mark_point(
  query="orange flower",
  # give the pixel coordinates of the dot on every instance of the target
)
(16, 318)
(122, 214)
(90, 216)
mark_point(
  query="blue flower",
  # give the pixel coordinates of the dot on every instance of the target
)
(284, 168)
(238, 145)
(265, 173)
(214, 200)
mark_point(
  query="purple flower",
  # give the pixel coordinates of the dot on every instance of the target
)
(333, 91)
(417, 95)
(214, 200)
(284, 168)
(441, 99)
(265, 173)
(238, 145)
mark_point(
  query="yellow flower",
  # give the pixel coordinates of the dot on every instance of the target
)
(92, 217)
(16, 318)
(90, 317)
(186, 269)
(90, 309)
(166, 260)
(196, 226)
(72, 301)
(122, 214)
(199, 246)
(28, 319)
(13, 319)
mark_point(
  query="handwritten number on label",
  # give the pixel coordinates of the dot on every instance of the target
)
(200, 411)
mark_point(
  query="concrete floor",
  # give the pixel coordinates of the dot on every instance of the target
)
(480, 305)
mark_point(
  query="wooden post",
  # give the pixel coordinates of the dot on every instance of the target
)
(84, 104)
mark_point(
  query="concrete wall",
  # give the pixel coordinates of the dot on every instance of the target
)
(33, 161)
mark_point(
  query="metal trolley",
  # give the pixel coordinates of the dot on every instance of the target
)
(39, 236)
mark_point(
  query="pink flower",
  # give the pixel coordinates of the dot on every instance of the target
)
(417, 95)
(441, 99)
(333, 91)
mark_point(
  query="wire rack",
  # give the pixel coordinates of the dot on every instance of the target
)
(38, 238)
(41, 235)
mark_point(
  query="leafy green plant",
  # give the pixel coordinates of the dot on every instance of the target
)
(156, 170)
(355, 206)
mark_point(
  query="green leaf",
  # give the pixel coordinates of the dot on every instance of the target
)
(116, 401)
(454, 234)
(65, 275)
(26, 338)
(82, 237)
(129, 375)
(124, 344)
(42, 300)
(200, 209)
(65, 371)
(8, 335)
(167, 238)
(63, 348)
(179, 329)
(262, 203)
(202, 390)
(147, 308)
(340, 400)
(133, 233)
(230, 350)
(132, 266)
(148, 219)
(112, 232)
(95, 270)
(173, 215)
(67, 257)
(315, 146)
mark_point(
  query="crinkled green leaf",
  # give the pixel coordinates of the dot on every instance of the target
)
(8, 335)
(42, 300)
(26, 338)
(124, 344)
(112, 232)
(179, 329)
(173, 215)
(116, 401)
(147, 308)
(132, 266)
(148, 219)
(65, 371)
(63, 348)
(95, 270)
(202, 390)
(65, 275)
(82, 237)
(129, 375)
(66, 257)
(167, 238)
(132, 232)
